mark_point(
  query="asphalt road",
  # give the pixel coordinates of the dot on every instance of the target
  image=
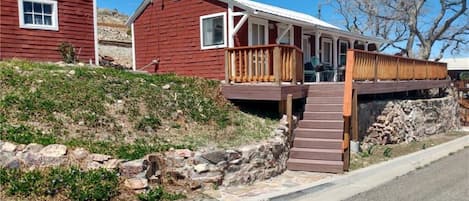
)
(443, 180)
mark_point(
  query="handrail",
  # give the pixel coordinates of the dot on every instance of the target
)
(372, 66)
(264, 63)
(348, 88)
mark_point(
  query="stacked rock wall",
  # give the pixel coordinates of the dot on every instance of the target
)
(190, 169)
(399, 120)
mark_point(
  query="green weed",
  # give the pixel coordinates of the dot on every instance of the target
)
(159, 194)
(71, 182)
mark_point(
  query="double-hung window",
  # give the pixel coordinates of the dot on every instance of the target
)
(213, 31)
(38, 14)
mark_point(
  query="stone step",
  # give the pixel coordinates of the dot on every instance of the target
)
(324, 107)
(316, 154)
(315, 165)
(319, 133)
(317, 143)
(325, 100)
(323, 116)
(322, 124)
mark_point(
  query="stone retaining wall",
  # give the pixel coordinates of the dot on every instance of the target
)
(395, 121)
(190, 169)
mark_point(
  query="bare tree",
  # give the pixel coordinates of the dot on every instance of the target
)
(412, 26)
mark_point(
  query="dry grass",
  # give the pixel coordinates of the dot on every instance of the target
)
(377, 153)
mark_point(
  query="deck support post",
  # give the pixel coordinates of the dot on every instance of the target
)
(227, 67)
(282, 104)
(355, 116)
(277, 65)
(290, 116)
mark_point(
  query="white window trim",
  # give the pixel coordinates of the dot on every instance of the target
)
(292, 32)
(224, 31)
(340, 53)
(258, 21)
(326, 40)
(55, 16)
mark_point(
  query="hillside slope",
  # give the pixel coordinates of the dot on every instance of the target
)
(108, 110)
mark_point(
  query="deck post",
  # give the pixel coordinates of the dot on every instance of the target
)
(277, 65)
(290, 113)
(346, 144)
(294, 66)
(227, 67)
(355, 116)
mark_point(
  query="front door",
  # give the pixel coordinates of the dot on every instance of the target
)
(258, 32)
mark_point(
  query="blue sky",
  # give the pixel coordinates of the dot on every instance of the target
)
(304, 6)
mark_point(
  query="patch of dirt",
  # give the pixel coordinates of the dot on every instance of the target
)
(381, 153)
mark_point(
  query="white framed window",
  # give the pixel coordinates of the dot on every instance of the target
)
(213, 31)
(38, 14)
(343, 46)
(287, 39)
(326, 51)
(258, 31)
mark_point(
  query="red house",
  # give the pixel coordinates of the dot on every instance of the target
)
(189, 37)
(33, 29)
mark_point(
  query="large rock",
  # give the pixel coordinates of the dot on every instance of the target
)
(54, 151)
(79, 154)
(33, 147)
(8, 147)
(215, 157)
(136, 183)
(132, 168)
(101, 158)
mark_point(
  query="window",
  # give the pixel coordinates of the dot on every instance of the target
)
(213, 31)
(327, 51)
(38, 14)
(343, 46)
(287, 39)
(258, 31)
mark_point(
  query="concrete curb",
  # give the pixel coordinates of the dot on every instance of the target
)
(340, 187)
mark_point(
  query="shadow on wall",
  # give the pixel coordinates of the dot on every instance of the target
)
(379, 115)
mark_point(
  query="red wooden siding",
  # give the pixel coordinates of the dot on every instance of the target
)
(170, 31)
(75, 26)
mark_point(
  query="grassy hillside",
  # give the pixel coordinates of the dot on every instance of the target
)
(118, 113)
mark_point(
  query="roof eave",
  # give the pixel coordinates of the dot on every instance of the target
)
(138, 12)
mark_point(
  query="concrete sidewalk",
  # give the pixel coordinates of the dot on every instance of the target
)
(340, 187)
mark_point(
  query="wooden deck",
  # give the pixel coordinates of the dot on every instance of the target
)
(330, 121)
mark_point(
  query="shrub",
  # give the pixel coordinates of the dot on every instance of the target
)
(464, 76)
(148, 122)
(67, 51)
(158, 194)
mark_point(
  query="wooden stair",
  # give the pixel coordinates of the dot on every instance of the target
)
(318, 140)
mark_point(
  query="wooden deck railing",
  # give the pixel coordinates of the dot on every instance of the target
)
(372, 66)
(267, 63)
